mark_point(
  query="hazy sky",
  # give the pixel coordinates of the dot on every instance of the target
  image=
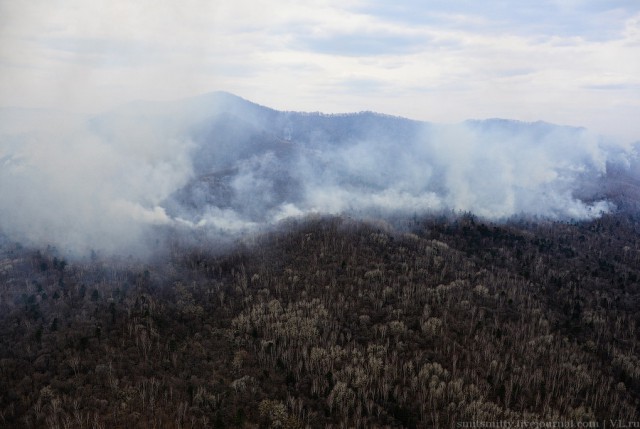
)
(566, 61)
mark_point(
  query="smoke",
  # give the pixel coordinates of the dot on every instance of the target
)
(495, 169)
(467, 168)
(221, 166)
(64, 183)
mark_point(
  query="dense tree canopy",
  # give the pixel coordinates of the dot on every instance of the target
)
(330, 322)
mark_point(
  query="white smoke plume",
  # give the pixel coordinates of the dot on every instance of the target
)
(221, 165)
(64, 184)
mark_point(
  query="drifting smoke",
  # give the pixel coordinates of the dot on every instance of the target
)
(221, 165)
(64, 184)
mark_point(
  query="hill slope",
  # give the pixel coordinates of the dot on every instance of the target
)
(224, 165)
(332, 322)
(271, 163)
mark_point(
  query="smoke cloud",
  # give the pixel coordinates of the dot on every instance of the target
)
(220, 165)
(66, 184)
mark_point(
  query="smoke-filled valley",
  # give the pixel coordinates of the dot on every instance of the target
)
(211, 262)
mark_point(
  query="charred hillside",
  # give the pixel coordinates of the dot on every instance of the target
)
(330, 321)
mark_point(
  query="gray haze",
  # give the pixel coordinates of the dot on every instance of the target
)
(220, 165)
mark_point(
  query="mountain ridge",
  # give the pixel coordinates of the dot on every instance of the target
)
(331, 146)
(162, 163)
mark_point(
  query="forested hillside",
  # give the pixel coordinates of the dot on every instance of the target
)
(330, 322)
